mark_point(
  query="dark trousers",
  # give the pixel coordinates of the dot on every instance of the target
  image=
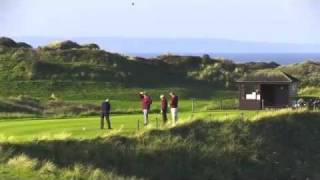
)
(164, 117)
(107, 116)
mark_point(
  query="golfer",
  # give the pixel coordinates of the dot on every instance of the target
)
(146, 102)
(174, 107)
(105, 113)
(164, 107)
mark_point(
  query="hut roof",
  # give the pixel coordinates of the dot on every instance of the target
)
(268, 75)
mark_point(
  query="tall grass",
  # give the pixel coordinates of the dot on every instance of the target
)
(282, 112)
(277, 145)
(25, 167)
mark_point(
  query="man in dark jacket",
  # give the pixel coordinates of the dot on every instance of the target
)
(164, 107)
(105, 113)
(174, 107)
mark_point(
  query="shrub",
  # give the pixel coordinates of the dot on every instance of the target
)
(97, 174)
(91, 46)
(23, 161)
(48, 170)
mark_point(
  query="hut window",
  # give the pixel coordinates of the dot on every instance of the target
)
(252, 92)
(253, 96)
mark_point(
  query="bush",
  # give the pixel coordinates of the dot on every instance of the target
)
(63, 45)
(23, 161)
(91, 46)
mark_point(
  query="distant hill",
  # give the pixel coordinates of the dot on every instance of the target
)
(9, 43)
(70, 61)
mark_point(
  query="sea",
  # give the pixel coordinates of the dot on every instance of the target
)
(280, 58)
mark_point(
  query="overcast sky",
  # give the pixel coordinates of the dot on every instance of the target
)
(292, 21)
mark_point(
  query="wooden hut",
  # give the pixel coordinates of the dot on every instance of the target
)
(267, 89)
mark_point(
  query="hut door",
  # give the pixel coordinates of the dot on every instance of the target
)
(275, 95)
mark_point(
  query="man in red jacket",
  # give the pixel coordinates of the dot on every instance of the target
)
(146, 102)
(164, 107)
(174, 107)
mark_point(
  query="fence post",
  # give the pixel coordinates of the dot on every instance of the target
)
(236, 105)
(192, 105)
(242, 116)
(157, 124)
(221, 104)
(138, 126)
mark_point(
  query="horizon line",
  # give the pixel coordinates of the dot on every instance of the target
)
(167, 38)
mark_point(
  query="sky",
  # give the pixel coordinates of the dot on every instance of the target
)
(280, 21)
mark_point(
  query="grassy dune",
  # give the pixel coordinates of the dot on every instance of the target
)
(273, 145)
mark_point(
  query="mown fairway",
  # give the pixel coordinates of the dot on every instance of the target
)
(44, 128)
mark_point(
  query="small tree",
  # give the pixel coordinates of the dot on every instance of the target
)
(206, 57)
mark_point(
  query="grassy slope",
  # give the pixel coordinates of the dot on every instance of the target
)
(312, 91)
(278, 145)
(307, 72)
(82, 74)
(58, 72)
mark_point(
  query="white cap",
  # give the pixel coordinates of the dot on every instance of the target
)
(161, 96)
(107, 100)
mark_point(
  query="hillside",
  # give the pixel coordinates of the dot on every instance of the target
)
(67, 66)
(70, 61)
(277, 146)
(308, 72)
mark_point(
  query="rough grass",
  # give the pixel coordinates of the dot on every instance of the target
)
(312, 91)
(22, 167)
(281, 146)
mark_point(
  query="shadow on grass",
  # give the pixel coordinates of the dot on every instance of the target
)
(285, 146)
